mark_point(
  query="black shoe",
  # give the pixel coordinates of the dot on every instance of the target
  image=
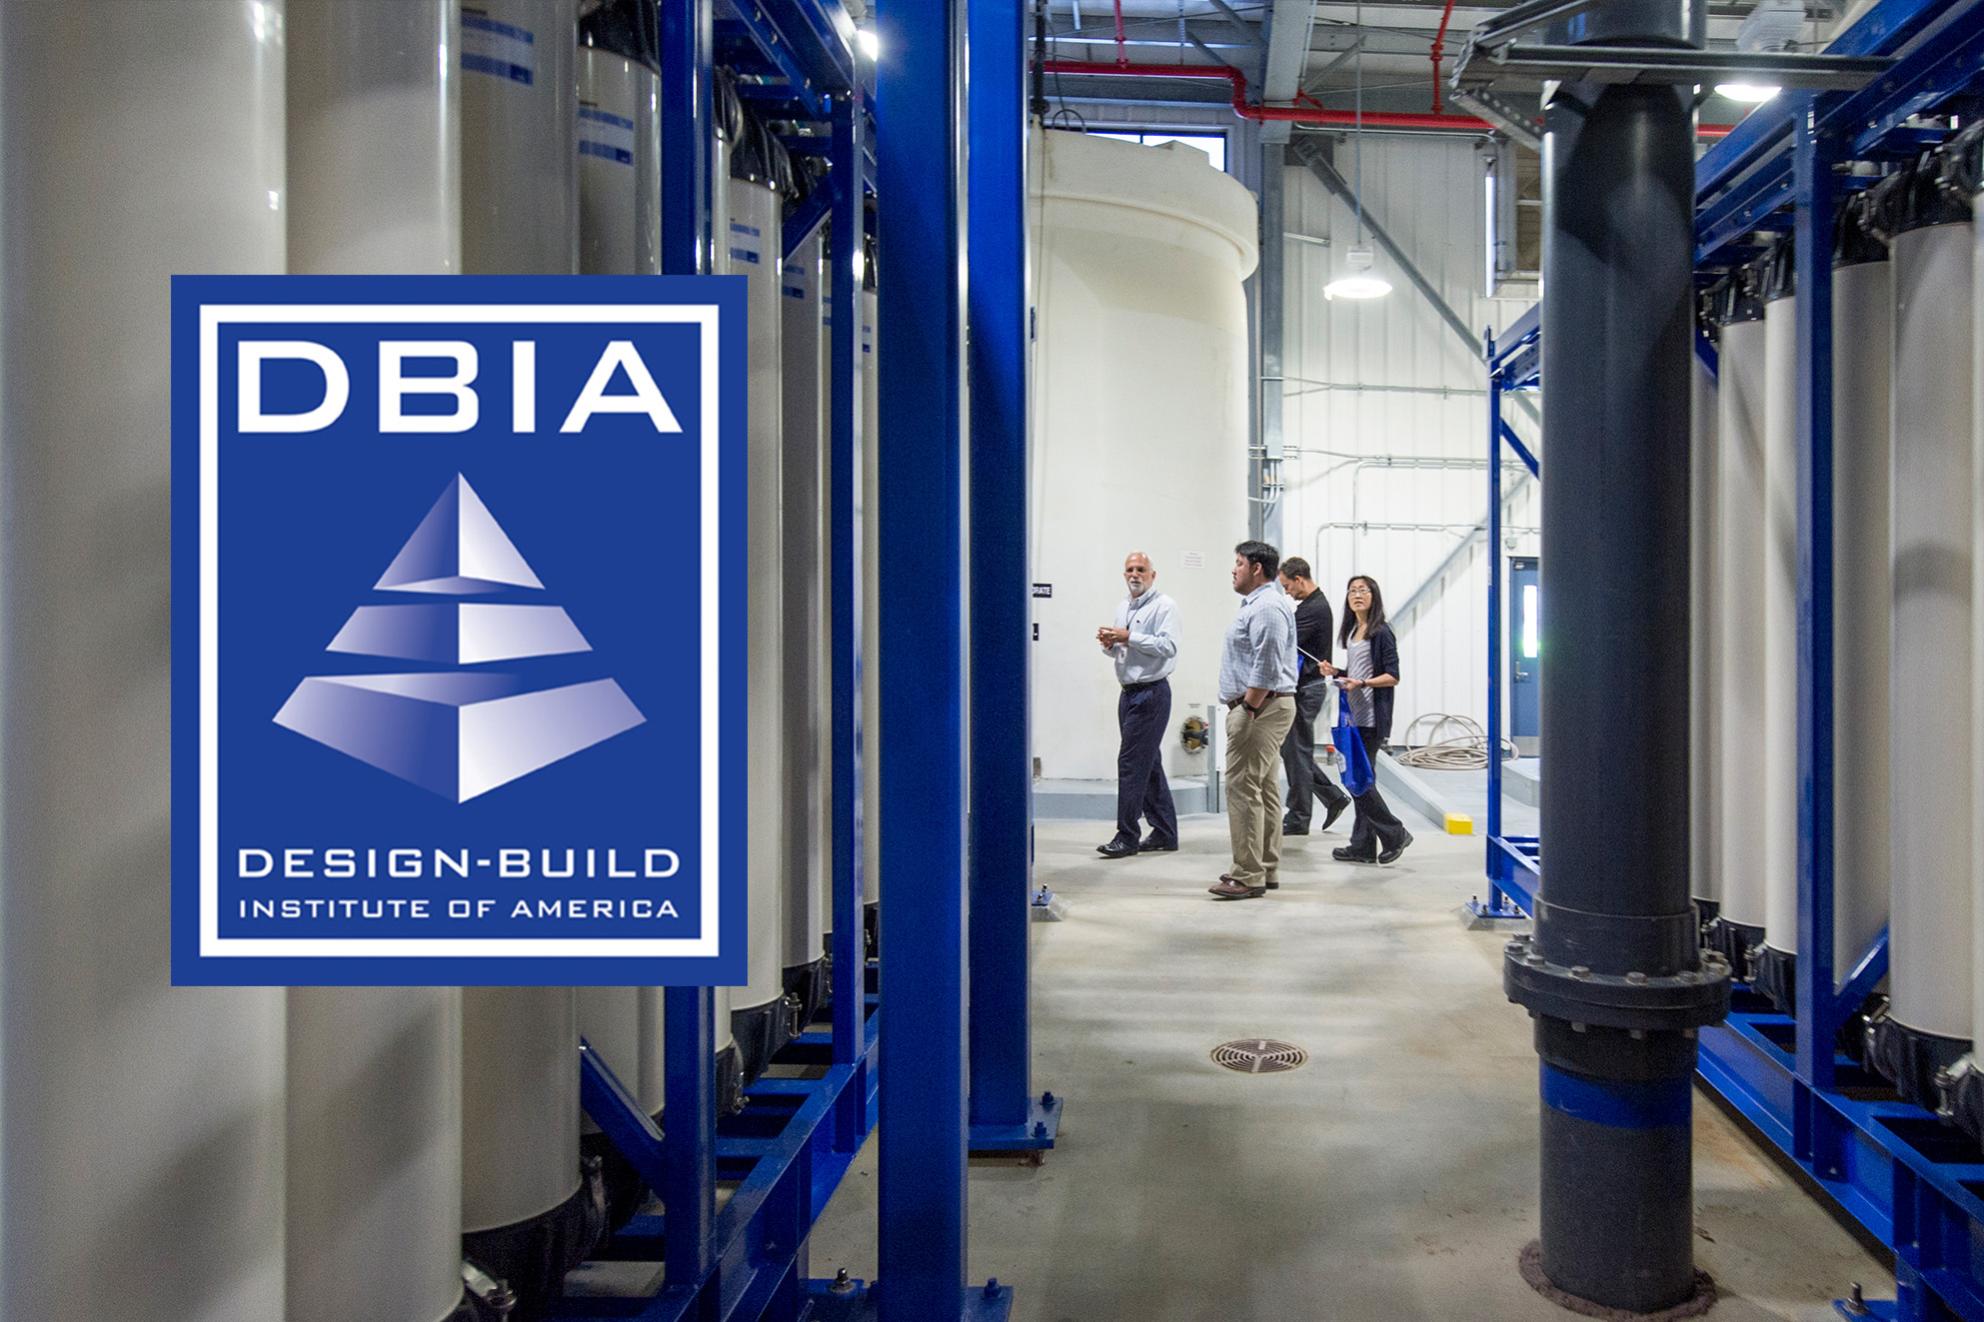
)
(1117, 848)
(1294, 828)
(1349, 855)
(1156, 844)
(1334, 811)
(1272, 884)
(1391, 855)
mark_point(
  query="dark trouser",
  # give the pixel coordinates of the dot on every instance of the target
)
(1377, 826)
(1298, 758)
(1142, 713)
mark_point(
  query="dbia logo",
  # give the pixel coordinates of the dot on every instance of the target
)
(459, 733)
(457, 684)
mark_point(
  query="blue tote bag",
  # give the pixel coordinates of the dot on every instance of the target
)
(1358, 776)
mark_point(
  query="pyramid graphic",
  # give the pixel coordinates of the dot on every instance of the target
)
(456, 731)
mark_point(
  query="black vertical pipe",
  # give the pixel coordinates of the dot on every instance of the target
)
(1618, 329)
(1614, 975)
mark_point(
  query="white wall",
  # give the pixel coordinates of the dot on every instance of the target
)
(1427, 194)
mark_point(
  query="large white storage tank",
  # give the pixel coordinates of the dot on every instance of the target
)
(1139, 422)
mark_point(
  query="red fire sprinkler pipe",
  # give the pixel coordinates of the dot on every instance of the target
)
(1439, 49)
(1122, 39)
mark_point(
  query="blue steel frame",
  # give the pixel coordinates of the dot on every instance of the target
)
(785, 1153)
(1914, 1182)
(1513, 364)
(1005, 1115)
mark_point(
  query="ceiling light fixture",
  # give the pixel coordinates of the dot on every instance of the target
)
(1358, 281)
(1750, 94)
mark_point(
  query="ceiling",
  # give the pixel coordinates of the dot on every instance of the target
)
(1389, 45)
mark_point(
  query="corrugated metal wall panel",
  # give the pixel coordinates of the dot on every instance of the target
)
(1428, 195)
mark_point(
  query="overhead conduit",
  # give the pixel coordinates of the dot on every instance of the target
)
(1370, 119)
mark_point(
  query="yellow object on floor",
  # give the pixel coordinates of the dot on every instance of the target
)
(1459, 823)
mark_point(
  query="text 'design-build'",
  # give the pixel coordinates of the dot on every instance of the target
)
(455, 693)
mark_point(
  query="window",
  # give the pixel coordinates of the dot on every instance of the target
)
(1212, 144)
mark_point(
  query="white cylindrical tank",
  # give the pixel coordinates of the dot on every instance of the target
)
(144, 1122)
(1930, 679)
(871, 609)
(808, 658)
(1775, 614)
(728, 128)
(520, 216)
(1705, 531)
(520, 1106)
(1863, 602)
(756, 220)
(619, 164)
(520, 192)
(619, 146)
(375, 1103)
(1140, 408)
(1735, 631)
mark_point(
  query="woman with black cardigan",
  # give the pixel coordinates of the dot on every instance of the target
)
(1368, 676)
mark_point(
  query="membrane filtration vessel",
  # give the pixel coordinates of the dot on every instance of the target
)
(526, 1217)
(619, 162)
(1927, 1025)
(375, 1086)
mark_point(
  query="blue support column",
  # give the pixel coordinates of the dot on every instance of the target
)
(689, 1151)
(1004, 1113)
(1497, 902)
(844, 573)
(920, 97)
(1819, 1014)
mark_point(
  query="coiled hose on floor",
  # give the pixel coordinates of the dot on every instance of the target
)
(1454, 743)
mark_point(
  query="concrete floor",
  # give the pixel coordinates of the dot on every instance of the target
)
(1391, 1178)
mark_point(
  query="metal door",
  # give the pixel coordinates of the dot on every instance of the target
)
(1524, 636)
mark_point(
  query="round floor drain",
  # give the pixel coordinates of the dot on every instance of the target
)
(1258, 1055)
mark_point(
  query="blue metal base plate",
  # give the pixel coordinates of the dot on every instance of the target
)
(1477, 915)
(1873, 1310)
(1042, 1127)
(855, 1303)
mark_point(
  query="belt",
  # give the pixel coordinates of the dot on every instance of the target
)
(1264, 702)
(1147, 684)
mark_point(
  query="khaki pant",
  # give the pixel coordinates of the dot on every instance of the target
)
(1253, 788)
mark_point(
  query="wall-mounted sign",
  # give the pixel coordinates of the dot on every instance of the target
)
(1043, 589)
(455, 693)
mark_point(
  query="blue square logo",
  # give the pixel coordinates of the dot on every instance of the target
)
(456, 685)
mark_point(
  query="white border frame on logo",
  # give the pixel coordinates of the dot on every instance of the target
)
(212, 944)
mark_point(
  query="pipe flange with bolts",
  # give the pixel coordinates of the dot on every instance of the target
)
(1633, 1000)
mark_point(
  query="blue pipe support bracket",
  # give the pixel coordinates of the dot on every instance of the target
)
(784, 1155)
